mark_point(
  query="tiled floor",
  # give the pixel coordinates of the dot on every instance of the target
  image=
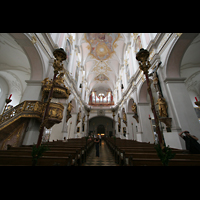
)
(105, 156)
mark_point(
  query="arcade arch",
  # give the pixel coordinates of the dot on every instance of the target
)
(101, 123)
(20, 66)
(176, 54)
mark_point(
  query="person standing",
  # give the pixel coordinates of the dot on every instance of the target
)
(100, 139)
(97, 140)
(190, 142)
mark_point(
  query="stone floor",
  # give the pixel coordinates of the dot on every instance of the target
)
(105, 156)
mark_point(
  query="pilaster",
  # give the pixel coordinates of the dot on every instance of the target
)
(32, 91)
(144, 111)
(183, 113)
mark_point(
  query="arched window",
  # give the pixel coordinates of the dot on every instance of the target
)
(109, 97)
(68, 51)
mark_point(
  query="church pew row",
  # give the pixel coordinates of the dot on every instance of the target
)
(147, 155)
(51, 153)
(57, 151)
(73, 152)
(157, 162)
(87, 145)
(84, 149)
(79, 144)
(144, 149)
(118, 144)
(81, 151)
(144, 154)
(123, 153)
(14, 160)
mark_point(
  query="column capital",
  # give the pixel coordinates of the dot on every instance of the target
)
(34, 82)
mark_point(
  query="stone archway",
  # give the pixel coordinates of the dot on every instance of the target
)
(176, 54)
(130, 103)
(27, 72)
(33, 54)
(143, 92)
(101, 123)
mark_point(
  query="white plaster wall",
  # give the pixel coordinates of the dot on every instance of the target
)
(131, 129)
(173, 139)
(3, 93)
(144, 110)
(32, 91)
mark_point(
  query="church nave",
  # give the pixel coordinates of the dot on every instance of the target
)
(64, 89)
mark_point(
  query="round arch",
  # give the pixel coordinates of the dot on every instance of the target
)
(176, 54)
(142, 92)
(97, 121)
(109, 118)
(33, 55)
(21, 64)
(122, 111)
(130, 103)
(74, 109)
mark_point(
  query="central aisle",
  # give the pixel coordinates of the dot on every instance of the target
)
(105, 156)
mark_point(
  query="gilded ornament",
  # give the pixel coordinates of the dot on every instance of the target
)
(33, 39)
(59, 89)
(162, 106)
(60, 55)
(30, 109)
(102, 44)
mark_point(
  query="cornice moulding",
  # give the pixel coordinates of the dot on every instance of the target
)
(175, 80)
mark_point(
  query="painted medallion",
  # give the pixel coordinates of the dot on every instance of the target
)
(102, 44)
(101, 77)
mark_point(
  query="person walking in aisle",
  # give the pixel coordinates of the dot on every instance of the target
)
(97, 140)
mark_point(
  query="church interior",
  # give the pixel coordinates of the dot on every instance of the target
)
(64, 89)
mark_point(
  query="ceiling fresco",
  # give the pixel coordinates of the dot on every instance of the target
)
(102, 59)
(101, 77)
(102, 44)
(101, 68)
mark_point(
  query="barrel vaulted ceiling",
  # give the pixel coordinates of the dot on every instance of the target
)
(14, 66)
(102, 55)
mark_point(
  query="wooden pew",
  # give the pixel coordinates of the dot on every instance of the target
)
(144, 154)
(65, 146)
(80, 150)
(14, 160)
(135, 155)
(120, 151)
(50, 153)
(76, 142)
(157, 162)
(75, 152)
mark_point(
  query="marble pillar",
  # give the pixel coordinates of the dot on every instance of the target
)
(182, 112)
